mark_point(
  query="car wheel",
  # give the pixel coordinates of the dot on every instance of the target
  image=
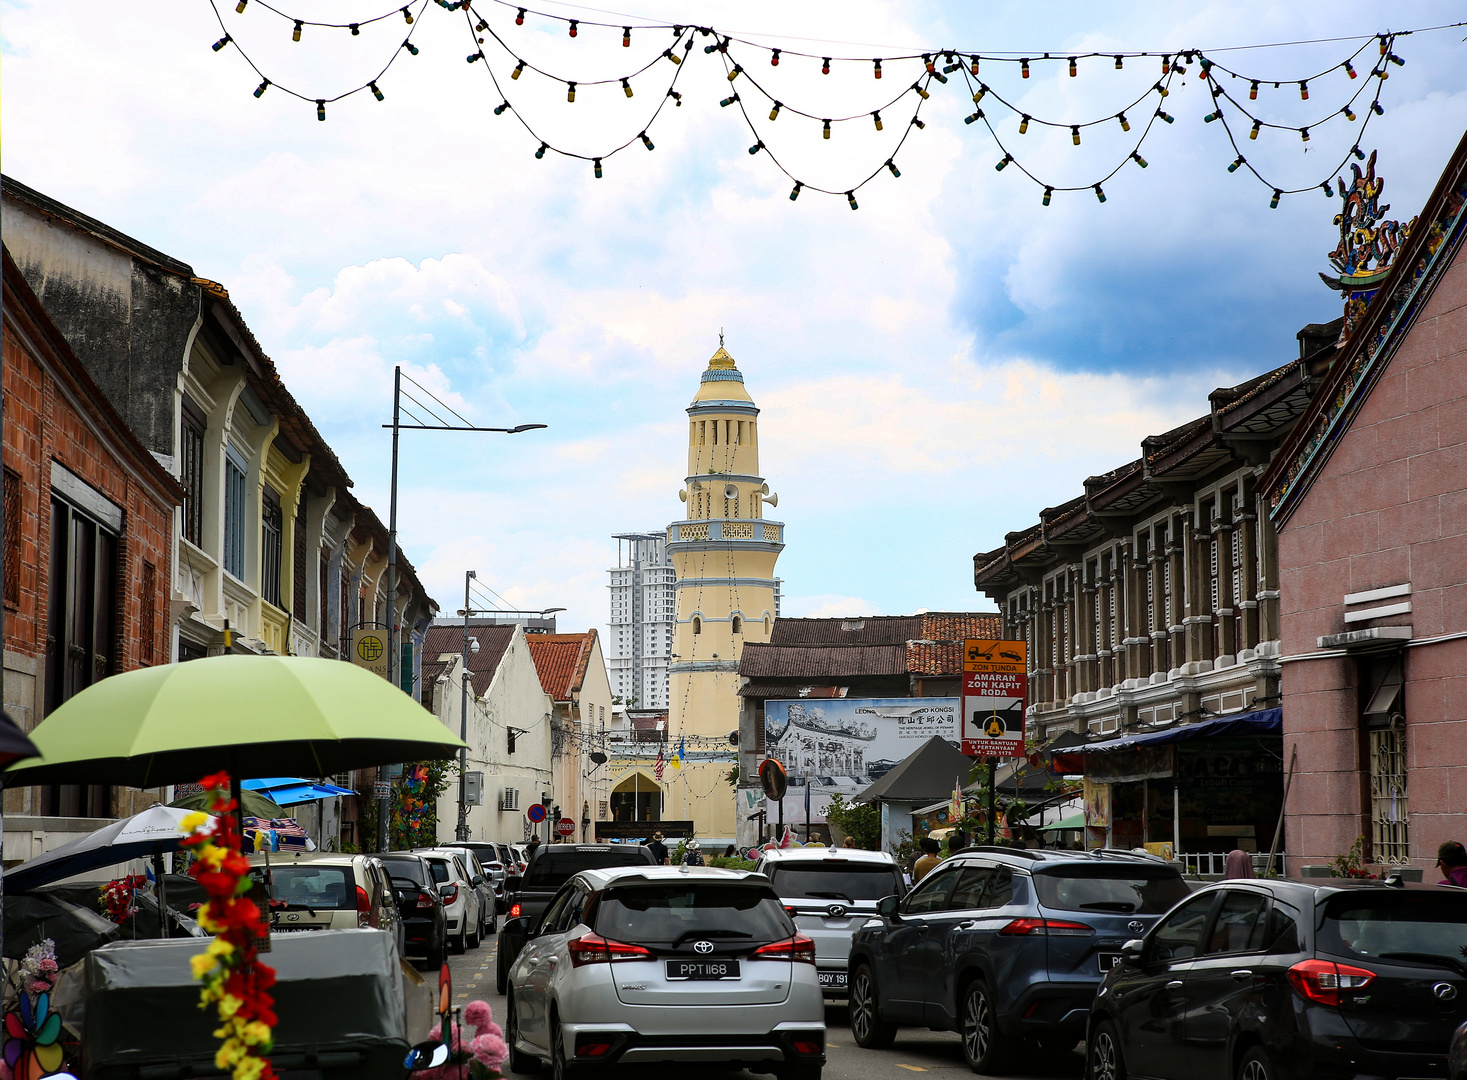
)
(985, 1048)
(1256, 1065)
(1103, 1055)
(560, 1069)
(473, 942)
(867, 1027)
(519, 1061)
(460, 943)
(501, 969)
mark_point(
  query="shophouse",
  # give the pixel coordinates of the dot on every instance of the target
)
(573, 673)
(1369, 500)
(88, 532)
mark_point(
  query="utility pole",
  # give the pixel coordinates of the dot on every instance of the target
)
(462, 832)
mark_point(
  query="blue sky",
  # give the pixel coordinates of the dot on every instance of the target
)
(934, 368)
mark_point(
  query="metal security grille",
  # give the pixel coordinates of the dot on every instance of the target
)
(272, 526)
(235, 512)
(1389, 809)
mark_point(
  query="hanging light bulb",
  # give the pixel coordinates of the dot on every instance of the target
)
(1073, 69)
(1350, 70)
(1304, 134)
(735, 73)
(260, 90)
(1253, 90)
(1237, 163)
(573, 31)
(597, 163)
(726, 102)
(951, 65)
(501, 108)
(974, 118)
(296, 33)
(626, 88)
(1162, 90)
(1328, 194)
(1375, 108)
(825, 65)
(519, 19)
(1100, 193)
(876, 71)
(672, 56)
(1119, 65)
(921, 92)
(1125, 124)
(1257, 127)
(940, 77)
(851, 198)
(1138, 159)
(827, 129)
(982, 90)
(774, 58)
(626, 37)
(1273, 203)
(1214, 115)
(890, 164)
(1024, 69)
(570, 91)
(239, 8)
(876, 118)
(356, 30)
(774, 112)
(1003, 164)
(540, 153)
(756, 147)
(795, 192)
(375, 92)
(320, 108)
(1206, 68)
(645, 141)
(410, 47)
(676, 97)
(225, 40)
(921, 124)
(973, 64)
(1024, 124)
(408, 15)
(1349, 115)
(1384, 46)
(1359, 154)
(1048, 192)
(1166, 64)
(1166, 116)
(927, 61)
(1075, 134)
(473, 57)
(518, 69)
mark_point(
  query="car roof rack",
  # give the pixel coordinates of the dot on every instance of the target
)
(1111, 852)
(1000, 849)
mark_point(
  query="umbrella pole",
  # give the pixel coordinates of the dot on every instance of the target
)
(237, 795)
(162, 894)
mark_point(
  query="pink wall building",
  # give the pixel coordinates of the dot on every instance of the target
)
(1369, 500)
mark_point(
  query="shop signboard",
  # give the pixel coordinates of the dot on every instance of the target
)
(995, 686)
(369, 648)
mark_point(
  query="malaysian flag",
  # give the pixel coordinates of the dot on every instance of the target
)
(661, 764)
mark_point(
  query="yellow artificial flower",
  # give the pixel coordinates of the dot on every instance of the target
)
(191, 822)
(228, 1006)
(202, 964)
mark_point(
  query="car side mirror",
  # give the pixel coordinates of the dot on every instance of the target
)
(478, 880)
(516, 927)
(887, 906)
(1133, 952)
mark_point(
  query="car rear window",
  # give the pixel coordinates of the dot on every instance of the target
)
(1396, 926)
(409, 869)
(833, 879)
(330, 887)
(673, 914)
(554, 868)
(440, 870)
(1123, 890)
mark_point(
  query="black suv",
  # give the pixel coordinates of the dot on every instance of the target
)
(550, 867)
(1003, 944)
(424, 923)
(1260, 980)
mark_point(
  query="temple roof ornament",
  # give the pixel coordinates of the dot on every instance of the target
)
(1368, 243)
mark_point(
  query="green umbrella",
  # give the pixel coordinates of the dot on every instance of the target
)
(255, 804)
(252, 715)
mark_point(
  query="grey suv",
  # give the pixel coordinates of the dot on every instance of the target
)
(1003, 944)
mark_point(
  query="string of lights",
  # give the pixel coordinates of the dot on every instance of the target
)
(936, 67)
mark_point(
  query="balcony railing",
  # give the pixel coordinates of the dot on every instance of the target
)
(1214, 863)
(756, 530)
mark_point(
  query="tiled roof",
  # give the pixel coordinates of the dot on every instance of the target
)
(756, 688)
(821, 663)
(444, 640)
(825, 649)
(870, 630)
(561, 660)
(957, 625)
(941, 652)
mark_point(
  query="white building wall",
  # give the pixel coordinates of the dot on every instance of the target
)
(516, 700)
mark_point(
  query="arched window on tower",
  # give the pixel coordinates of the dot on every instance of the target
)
(738, 624)
(697, 625)
(767, 625)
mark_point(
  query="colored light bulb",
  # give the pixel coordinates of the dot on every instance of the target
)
(410, 47)
(597, 163)
(1048, 192)
(877, 69)
(735, 73)
(851, 198)
(726, 102)
(1253, 90)
(676, 97)
(1350, 70)
(973, 119)
(827, 129)
(519, 19)
(1100, 193)
(574, 30)
(1073, 69)
(981, 92)
(1257, 127)
(920, 123)
(626, 88)
(239, 8)
(1348, 114)
(774, 58)
(1125, 124)
(295, 34)
(876, 118)
(222, 42)
(1136, 156)
(260, 90)
(756, 147)
(570, 91)
(973, 65)
(890, 164)
(1075, 134)
(795, 192)
(922, 93)
(1024, 125)
(1003, 164)
(626, 37)
(472, 57)
(1166, 117)
(645, 141)
(1304, 134)
(320, 108)
(1375, 108)
(1119, 64)
(1210, 117)
(1024, 68)
(375, 92)
(672, 56)
(540, 153)
(927, 62)
(825, 65)
(1237, 164)
(1359, 154)
(774, 112)
(407, 15)
(1273, 203)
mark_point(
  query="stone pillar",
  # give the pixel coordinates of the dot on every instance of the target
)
(1268, 574)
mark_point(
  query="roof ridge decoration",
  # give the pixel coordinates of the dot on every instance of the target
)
(1368, 244)
(1391, 319)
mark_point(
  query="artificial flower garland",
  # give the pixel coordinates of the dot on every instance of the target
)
(235, 983)
(119, 897)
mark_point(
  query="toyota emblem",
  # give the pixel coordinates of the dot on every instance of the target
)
(836, 911)
(1445, 992)
(703, 946)
(1136, 926)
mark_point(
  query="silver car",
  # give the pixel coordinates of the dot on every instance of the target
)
(460, 898)
(642, 964)
(831, 892)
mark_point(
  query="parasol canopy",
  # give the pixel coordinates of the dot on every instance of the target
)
(292, 790)
(13, 743)
(153, 832)
(249, 714)
(255, 803)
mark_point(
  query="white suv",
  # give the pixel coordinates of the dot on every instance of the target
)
(328, 891)
(461, 901)
(640, 964)
(831, 892)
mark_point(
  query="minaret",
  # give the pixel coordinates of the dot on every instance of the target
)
(724, 553)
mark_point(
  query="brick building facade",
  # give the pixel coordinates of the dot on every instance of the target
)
(1369, 501)
(89, 520)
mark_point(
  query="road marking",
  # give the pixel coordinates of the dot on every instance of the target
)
(913, 1068)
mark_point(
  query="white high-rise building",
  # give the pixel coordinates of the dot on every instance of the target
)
(643, 613)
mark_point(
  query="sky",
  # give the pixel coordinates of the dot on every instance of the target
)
(934, 368)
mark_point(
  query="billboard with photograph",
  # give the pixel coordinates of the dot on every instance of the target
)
(840, 746)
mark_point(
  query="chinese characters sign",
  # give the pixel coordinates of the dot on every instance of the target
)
(995, 683)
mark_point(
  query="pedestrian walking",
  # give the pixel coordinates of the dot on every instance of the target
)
(928, 860)
(1451, 860)
(692, 853)
(659, 849)
(730, 852)
(956, 841)
(1238, 865)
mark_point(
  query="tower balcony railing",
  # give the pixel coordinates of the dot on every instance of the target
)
(753, 530)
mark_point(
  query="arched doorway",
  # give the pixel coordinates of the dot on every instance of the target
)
(638, 797)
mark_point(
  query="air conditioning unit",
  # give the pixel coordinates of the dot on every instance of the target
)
(509, 799)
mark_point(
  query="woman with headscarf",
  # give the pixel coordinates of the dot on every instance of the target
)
(1239, 864)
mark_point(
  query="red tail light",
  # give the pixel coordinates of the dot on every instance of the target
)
(595, 949)
(366, 916)
(798, 948)
(449, 894)
(425, 900)
(592, 1049)
(1322, 980)
(1054, 927)
(514, 911)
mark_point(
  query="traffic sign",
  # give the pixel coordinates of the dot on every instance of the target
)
(382, 789)
(566, 826)
(536, 812)
(995, 686)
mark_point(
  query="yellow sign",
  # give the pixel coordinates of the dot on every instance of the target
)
(980, 654)
(995, 691)
(369, 649)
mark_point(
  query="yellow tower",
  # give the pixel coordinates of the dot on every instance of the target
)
(724, 553)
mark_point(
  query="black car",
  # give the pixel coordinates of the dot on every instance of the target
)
(1261, 980)
(526, 897)
(1003, 945)
(424, 923)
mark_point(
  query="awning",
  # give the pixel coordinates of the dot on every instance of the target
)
(1074, 821)
(1262, 722)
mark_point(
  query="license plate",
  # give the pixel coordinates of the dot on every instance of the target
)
(293, 929)
(833, 978)
(1108, 960)
(702, 969)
